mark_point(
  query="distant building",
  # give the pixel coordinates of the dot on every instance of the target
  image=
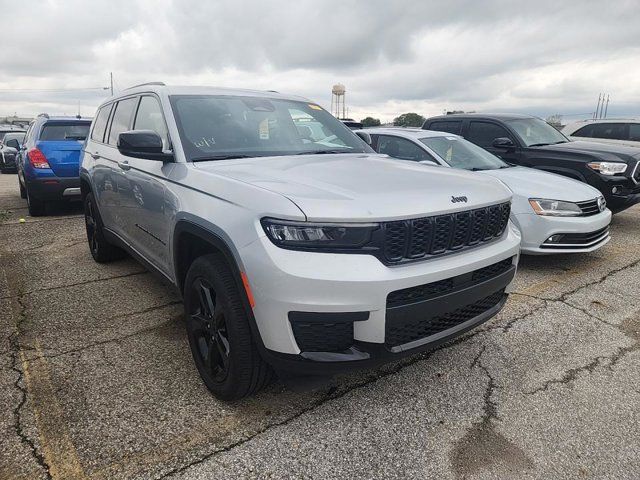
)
(15, 120)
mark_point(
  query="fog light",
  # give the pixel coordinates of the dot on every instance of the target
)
(614, 190)
(554, 238)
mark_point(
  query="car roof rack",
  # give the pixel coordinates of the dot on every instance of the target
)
(161, 84)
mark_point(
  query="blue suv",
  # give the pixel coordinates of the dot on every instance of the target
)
(48, 161)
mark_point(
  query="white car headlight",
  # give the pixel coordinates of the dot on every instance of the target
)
(608, 168)
(555, 208)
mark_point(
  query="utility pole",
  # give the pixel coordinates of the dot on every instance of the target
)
(111, 81)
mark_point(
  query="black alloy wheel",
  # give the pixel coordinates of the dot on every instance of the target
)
(208, 329)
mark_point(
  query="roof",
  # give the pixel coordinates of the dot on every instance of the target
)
(158, 87)
(11, 128)
(497, 116)
(607, 120)
(414, 133)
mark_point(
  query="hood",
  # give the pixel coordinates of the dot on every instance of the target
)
(604, 151)
(363, 187)
(532, 183)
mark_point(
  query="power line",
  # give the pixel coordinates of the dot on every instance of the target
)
(52, 89)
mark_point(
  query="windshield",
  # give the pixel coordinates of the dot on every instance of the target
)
(221, 126)
(64, 131)
(535, 132)
(459, 153)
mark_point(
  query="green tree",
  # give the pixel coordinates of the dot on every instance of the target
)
(409, 120)
(370, 122)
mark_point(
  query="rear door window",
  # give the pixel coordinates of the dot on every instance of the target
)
(100, 124)
(122, 118)
(59, 131)
(610, 131)
(484, 133)
(447, 126)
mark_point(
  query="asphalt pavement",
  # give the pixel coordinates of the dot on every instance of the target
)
(97, 380)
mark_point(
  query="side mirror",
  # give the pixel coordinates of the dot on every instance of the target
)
(365, 137)
(429, 162)
(145, 144)
(13, 143)
(502, 142)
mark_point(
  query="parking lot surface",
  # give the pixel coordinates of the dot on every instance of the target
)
(97, 380)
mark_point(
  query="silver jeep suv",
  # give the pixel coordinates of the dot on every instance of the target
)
(295, 247)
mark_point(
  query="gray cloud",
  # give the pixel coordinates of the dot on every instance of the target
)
(544, 57)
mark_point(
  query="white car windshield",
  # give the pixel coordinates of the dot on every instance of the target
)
(217, 127)
(459, 153)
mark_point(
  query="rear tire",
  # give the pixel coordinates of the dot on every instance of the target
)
(23, 191)
(219, 333)
(101, 250)
(37, 208)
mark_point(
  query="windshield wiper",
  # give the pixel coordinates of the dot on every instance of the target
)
(477, 169)
(323, 152)
(539, 144)
(220, 157)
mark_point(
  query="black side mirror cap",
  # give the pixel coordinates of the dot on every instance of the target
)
(502, 142)
(145, 144)
(365, 137)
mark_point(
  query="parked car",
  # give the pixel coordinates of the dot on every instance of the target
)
(4, 129)
(613, 131)
(48, 161)
(555, 214)
(306, 255)
(9, 146)
(531, 142)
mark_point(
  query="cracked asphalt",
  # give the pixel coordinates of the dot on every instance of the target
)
(97, 379)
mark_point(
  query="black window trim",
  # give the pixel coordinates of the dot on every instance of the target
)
(135, 116)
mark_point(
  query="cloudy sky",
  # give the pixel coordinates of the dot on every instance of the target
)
(540, 57)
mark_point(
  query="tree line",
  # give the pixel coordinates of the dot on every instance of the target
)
(410, 119)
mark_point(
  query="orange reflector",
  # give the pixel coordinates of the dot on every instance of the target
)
(247, 288)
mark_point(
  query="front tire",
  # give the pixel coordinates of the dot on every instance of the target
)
(219, 333)
(101, 250)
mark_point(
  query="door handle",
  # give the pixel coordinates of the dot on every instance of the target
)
(124, 165)
(95, 156)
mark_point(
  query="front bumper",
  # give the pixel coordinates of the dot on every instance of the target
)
(285, 282)
(536, 229)
(54, 188)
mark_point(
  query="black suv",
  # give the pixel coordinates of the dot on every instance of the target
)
(531, 142)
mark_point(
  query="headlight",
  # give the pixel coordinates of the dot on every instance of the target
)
(555, 208)
(608, 168)
(317, 236)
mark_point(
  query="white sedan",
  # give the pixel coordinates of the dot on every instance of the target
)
(555, 214)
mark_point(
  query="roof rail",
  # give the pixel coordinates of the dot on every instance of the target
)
(161, 84)
(45, 115)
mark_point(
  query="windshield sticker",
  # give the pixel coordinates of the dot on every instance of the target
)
(263, 129)
(204, 142)
(449, 154)
(315, 107)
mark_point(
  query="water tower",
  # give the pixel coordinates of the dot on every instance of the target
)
(338, 106)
